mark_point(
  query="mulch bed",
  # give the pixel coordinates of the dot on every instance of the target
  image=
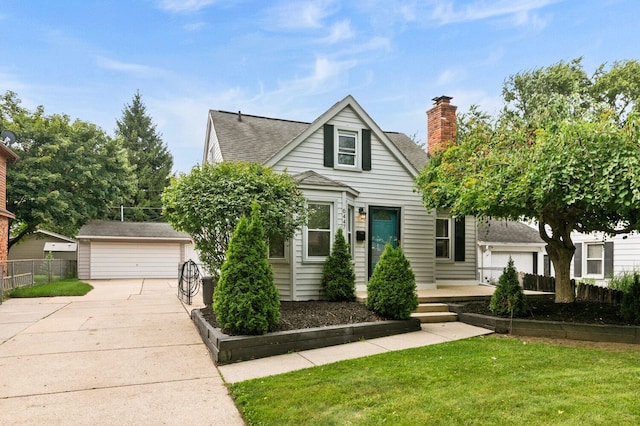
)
(576, 312)
(301, 315)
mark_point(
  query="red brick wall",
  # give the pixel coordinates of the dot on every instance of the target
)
(441, 124)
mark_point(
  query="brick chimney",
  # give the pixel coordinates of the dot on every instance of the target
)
(441, 124)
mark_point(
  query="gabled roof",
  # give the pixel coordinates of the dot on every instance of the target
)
(313, 179)
(507, 232)
(105, 229)
(55, 235)
(266, 140)
(251, 138)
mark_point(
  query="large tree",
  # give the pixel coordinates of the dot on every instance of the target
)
(150, 158)
(208, 203)
(564, 152)
(68, 172)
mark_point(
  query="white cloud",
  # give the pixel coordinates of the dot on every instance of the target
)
(115, 65)
(195, 26)
(340, 31)
(184, 6)
(308, 14)
(445, 11)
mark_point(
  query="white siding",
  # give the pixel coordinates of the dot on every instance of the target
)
(134, 260)
(84, 259)
(388, 183)
(626, 250)
(282, 278)
(450, 272)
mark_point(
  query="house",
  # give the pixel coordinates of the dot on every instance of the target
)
(499, 240)
(6, 155)
(112, 249)
(357, 177)
(41, 242)
(599, 257)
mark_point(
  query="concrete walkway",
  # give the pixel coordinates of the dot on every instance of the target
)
(126, 353)
(430, 334)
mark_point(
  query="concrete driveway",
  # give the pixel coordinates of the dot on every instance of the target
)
(126, 353)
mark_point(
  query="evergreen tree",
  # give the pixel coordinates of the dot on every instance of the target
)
(508, 297)
(246, 299)
(150, 158)
(338, 278)
(392, 291)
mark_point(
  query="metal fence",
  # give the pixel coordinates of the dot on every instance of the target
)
(20, 273)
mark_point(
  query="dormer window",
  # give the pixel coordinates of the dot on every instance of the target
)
(347, 148)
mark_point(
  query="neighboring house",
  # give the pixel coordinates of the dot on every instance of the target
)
(499, 239)
(355, 177)
(111, 249)
(598, 257)
(41, 242)
(6, 155)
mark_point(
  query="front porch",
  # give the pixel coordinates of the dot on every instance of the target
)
(434, 304)
(457, 293)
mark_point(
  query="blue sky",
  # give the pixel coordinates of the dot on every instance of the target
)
(292, 59)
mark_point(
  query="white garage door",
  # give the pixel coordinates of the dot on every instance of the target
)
(134, 260)
(523, 262)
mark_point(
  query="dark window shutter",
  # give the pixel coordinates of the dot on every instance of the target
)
(577, 261)
(547, 265)
(608, 259)
(535, 263)
(459, 242)
(328, 145)
(366, 149)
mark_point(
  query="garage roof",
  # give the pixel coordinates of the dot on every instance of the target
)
(106, 229)
(507, 231)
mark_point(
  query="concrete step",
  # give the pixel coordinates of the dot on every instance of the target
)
(432, 307)
(432, 317)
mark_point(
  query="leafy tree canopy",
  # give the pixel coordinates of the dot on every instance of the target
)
(149, 157)
(208, 202)
(68, 172)
(564, 152)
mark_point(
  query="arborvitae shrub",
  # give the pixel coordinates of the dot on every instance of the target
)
(630, 305)
(508, 297)
(246, 300)
(391, 291)
(338, 278)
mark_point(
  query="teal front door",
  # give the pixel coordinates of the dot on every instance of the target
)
(384, 227)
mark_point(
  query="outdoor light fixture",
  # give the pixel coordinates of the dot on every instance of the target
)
(362, 211)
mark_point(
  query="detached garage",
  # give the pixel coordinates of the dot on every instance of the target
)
(111, 249)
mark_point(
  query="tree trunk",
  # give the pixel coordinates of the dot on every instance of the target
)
(560, 249)
(565, 292)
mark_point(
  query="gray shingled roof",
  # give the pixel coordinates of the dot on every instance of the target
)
(312, 178)
(254, 139)
(152, 230)
(506, 231)
(257, 139)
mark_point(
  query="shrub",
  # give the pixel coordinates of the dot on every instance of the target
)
(508, 298)
(630, 306)
(622, 281)
(338, 278)
(246, 300)
(391, 291)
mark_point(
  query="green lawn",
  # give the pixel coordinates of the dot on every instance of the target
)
(67, 287)
(480, 381)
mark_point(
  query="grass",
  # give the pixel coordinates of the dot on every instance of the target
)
(66, 287)
(481, 381)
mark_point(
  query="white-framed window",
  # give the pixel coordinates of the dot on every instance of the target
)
(443, 238)
(595, 259)
(278, 249)
(318, 230)
(347, 148)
